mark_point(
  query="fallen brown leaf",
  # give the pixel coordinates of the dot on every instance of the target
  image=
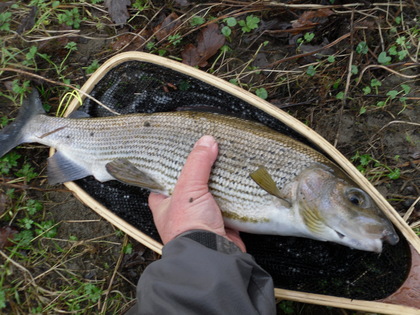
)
(209, 41)
(118, 10)
(28, 21)
(312, 18)
(128, 42)
(167, 27)
(6, 235)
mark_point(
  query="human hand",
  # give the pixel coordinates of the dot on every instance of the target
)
(192, 206)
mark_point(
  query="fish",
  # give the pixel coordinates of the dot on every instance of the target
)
(264, 182)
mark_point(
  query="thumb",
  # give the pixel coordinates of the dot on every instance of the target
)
(196, 172)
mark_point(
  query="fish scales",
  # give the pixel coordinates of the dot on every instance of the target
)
(263, 181)
(161, 142)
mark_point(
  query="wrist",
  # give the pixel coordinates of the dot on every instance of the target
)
(212, 240)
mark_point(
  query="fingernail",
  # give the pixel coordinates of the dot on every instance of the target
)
(205, 141)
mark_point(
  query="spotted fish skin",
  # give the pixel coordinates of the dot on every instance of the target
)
(158, 144)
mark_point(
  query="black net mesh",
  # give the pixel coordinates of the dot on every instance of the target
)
(294, 263)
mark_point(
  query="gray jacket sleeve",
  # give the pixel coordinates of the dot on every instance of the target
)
(204, 273)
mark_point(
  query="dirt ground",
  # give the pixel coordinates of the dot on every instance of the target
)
(275, 56)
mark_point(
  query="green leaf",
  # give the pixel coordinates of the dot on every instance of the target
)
(261, 92)
(366, 90)
(354, 69)
(375, 83)
(226, 31)
(362, 110)
(93, 292)
(231, 21)
(362, 48)
(4, 121)
(72, 46)
(308, 37)
(128, 249)
(46, 228)
(402, 54)
(24, 238)
(392, 50)
(395, 174)
(26, 223)
(383, 58)
(381, 104)
(2, 299)
(406, 88)
(5, 18)
(311, 71)
(250, 23)
(197, 20)
(340, 96)
(365, 159)
(8, 161)
(331, 59)
(92, 67)
(27, 171)
(393, 94)
(400, 40)
(33, 206)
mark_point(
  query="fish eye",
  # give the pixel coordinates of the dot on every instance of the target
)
(358, 197)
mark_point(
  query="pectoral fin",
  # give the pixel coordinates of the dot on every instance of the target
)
(266, 182)
(126, 172)
(313, 220)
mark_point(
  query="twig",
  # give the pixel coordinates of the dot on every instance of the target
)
(387, 69)
(394, 122)
(117, 266)
(346, 90)
(313, 6)
(410, 210)
(415, 224)
(60, 84)
(28, 187)
(19, 266)
(380, 34)
(309, 53)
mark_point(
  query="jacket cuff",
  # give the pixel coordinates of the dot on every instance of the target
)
(212, 240)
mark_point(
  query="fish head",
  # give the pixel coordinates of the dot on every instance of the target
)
(335, 209)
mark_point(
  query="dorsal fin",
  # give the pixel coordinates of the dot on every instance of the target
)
(78, 114)
(266, 182)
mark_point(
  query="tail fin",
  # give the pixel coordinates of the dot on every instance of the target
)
(12, 135)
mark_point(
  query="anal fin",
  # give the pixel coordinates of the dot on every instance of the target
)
(126, 172)
(61, 169)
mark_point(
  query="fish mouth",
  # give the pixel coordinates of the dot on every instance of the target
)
(366, 244)
(391, 238)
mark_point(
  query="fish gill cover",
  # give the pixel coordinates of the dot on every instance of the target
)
(294, 263)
